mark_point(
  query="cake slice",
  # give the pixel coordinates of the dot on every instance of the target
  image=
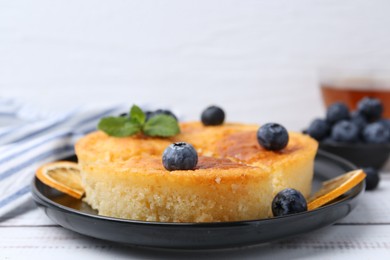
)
(235, 178)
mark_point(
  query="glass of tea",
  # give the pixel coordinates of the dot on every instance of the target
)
(350, 86)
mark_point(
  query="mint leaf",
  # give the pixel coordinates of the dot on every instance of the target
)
(119, 126)
(161, 125)
(137, 115)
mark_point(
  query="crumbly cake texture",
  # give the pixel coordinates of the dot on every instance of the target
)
(235, 178)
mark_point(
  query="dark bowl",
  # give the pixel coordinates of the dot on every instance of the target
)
(362, 155)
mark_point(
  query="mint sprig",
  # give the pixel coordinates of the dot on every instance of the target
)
(159, 125)
(118, 126)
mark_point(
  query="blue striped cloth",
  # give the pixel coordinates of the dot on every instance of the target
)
(29, 138)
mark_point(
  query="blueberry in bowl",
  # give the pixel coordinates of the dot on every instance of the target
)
(337, 112)
(371, 108)
(376, 133)
(361, 136)
(319, 129)
(345, 132)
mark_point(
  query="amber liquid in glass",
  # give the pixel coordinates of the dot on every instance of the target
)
(351, 96)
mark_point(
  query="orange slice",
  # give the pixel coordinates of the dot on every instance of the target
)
(62, 176)
(335, 187)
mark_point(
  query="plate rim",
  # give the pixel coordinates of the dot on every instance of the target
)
(356, 191)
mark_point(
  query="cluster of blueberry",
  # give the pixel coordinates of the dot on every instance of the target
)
(365, 126)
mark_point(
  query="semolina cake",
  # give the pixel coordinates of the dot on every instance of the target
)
(235, 178)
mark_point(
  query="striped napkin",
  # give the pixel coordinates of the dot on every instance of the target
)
(30, 137)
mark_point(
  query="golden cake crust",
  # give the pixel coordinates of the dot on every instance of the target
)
(235, 141)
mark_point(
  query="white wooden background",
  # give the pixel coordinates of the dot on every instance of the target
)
(257, 59)
(251, 57)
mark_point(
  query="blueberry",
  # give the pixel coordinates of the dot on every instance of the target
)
(272, 136)
(337, 112)
(358, 119)
(371, 108)
(345, 132)
(150, 114)
(318, 129)
(372, 178)
(385, 122)
(213, 115)
(288, 201)
(376, 133)
(180, 156)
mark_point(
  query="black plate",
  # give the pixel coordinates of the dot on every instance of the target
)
(362, 155)
(79, 217)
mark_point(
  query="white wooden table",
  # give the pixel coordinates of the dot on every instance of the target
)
(27, 233)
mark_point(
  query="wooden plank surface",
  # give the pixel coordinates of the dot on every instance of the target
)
(363, 234)
(335, 242)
